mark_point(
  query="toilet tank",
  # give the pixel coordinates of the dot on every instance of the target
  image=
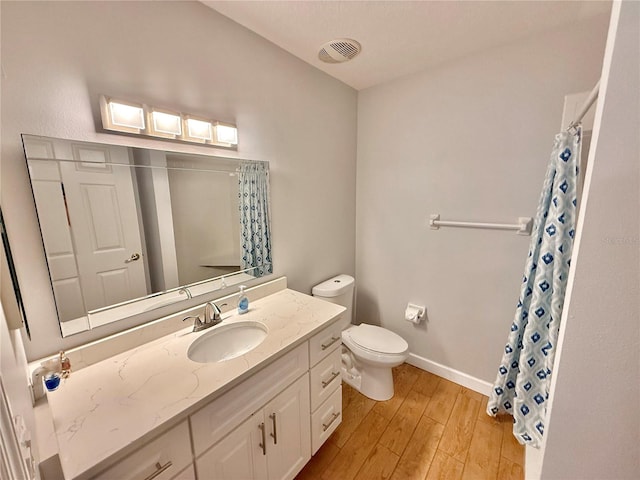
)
(338, 290)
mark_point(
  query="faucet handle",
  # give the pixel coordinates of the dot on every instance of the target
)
(218, 312)
(197, 323)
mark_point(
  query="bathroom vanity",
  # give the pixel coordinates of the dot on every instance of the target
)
(151, 412)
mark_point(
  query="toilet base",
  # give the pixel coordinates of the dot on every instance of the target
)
(373, 382)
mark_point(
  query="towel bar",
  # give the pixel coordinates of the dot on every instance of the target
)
(523, 227)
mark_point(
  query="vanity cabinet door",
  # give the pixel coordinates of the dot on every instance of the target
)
(273, 444)
(241, 455)
(288, 431)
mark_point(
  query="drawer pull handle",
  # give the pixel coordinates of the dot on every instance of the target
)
(263, 445)
(159, 469)
(325, 426)
(327, 345)
(326, 383)
(275, 431)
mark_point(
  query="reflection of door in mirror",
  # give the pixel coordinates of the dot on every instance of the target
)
(106, 234)
(88, 207)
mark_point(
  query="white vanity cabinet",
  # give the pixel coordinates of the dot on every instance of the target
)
(259, 429)
(259, 416)
(273, 444)
(233, 439)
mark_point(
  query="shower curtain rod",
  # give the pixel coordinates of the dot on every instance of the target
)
(586, 106)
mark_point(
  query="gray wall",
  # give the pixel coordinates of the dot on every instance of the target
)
(471, 141)
(58, 57)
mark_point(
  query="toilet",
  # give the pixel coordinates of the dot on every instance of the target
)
(368, 352)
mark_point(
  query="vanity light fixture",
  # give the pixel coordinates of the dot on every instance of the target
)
(140, 119)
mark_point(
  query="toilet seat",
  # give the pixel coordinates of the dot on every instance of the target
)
(378, 339)
(397, 348)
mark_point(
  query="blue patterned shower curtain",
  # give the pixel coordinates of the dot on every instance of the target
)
(255, 235)
(524, 376)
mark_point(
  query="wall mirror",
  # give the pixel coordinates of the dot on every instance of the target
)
(129, 230)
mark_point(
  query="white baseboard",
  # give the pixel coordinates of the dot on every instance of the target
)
(449, 373)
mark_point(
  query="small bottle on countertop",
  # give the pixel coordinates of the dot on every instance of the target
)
(243, 301)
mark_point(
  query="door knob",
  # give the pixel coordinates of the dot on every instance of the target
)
(133, 258)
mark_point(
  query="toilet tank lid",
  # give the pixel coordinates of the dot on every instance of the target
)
(333, 287)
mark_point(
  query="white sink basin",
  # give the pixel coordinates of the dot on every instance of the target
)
(228, 341)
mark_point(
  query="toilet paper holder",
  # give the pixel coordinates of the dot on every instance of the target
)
(414, 313)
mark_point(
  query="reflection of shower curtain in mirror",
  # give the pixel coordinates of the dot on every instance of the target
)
(255, 236)
(524, 375)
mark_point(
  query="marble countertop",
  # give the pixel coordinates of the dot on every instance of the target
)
(107, 410)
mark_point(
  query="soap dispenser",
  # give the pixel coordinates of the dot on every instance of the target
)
(243, 301)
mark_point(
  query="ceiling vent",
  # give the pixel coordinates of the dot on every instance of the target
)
(339, 50)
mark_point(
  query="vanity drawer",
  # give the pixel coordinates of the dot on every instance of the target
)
(165, 457)
(324, 342)
(223, 414)
(325, 378)
(326, 419)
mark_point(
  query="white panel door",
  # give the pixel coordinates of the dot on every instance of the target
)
(56, 236)
(288, 431)
(104, 227)
(241, 455)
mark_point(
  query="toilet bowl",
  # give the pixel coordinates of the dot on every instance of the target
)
(369, 352)
(376, 350)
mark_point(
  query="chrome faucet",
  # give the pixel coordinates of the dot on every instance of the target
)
(211, 317)
(212, 314)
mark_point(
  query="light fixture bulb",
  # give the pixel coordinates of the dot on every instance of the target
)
(126, 115)
(167, 123)
(226, 134)
(199, 129)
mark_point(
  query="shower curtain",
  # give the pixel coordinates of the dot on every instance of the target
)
(524, 375)
(255, 235)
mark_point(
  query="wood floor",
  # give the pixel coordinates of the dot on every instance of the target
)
(431, 429)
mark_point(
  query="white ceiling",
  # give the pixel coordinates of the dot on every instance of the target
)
(400, 37)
